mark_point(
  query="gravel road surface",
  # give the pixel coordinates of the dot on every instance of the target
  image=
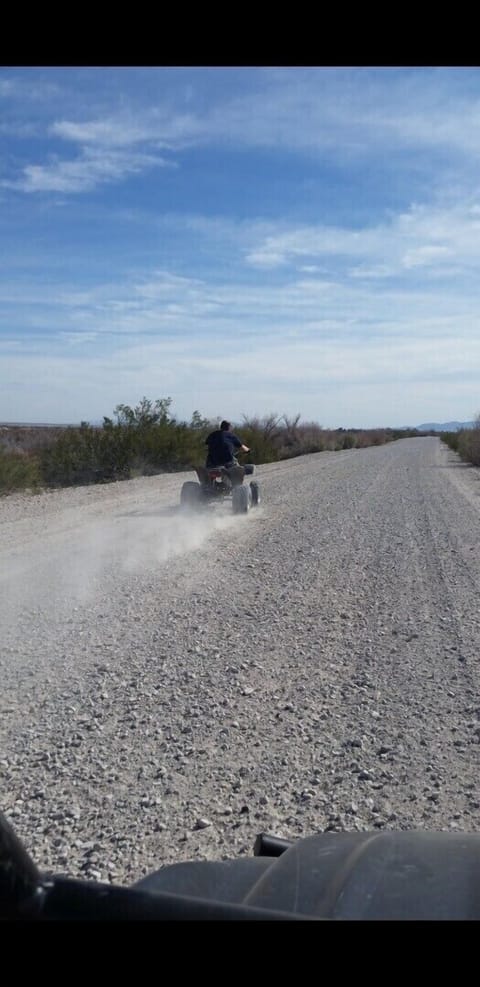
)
(174, 684)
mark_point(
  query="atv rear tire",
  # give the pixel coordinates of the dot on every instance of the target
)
(256, 499)
(241, 500)
(191, 495)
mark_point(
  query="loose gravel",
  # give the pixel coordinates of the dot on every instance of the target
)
(174, 684)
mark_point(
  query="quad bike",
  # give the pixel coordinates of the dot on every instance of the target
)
(370, 876)
(219, 483)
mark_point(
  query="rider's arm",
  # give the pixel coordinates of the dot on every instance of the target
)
(238, 445)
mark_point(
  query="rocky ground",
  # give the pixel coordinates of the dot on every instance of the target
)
(174, 684)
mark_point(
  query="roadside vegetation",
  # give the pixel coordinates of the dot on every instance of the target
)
(149, 439)
(466, 442)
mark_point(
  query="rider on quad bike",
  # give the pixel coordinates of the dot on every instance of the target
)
(222, 477)
(222, 445)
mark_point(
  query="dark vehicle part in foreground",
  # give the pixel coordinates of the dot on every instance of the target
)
(369, 876)
(219, 483)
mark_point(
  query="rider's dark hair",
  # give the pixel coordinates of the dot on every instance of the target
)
(225, 426)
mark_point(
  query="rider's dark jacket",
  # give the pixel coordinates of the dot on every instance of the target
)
(221, 448)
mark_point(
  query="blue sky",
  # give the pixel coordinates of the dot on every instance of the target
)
(243, 240)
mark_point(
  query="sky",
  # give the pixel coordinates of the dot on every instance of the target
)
(244, 240)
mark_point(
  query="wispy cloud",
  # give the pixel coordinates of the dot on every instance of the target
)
(83, 174)
(316, 111)
(424, 236)
(331, 383)
(311, 234)
(157, 126)
(28, 88)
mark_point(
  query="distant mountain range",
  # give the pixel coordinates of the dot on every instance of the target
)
(445, 427)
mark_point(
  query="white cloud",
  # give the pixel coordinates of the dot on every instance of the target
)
(426, 255)
(159, 126)
(161, 303)
(424, 236)
(373, 271)
(341, 113)
(368, 385)
(84, 173)
(79, 338)
(167, 303)
(114, 133)
(28, 89)
(348, 115)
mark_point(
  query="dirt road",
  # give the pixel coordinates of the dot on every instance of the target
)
(173, 685)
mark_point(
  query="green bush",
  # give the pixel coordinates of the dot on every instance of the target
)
(451, 439)
(469, 445)
(18, 471)
(466, 442)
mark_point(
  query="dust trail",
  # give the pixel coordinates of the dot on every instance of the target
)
(149, 541)
(56, 571)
